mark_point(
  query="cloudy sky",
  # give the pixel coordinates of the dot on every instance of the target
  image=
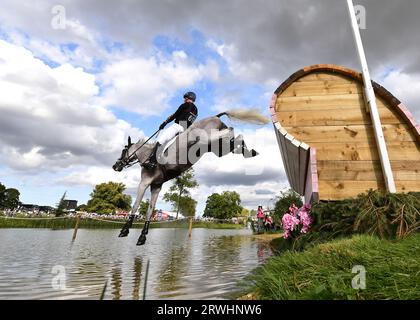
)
(73, 87)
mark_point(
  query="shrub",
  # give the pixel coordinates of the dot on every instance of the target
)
(388, 216)
(384, 215)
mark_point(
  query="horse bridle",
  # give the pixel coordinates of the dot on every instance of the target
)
(126, 162)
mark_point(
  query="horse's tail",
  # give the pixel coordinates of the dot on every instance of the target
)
(245, 115)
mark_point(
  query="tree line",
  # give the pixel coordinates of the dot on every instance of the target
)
(109, 197)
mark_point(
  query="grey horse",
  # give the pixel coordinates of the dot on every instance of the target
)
(206, 135)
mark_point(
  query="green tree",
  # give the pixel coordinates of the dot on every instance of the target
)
(223, 206)
(2, 195)
(284, 201)
(108, 197)
(144, 205)
(188, 206)
(11, 198)
(179, 195)
(82, 207)
(245, 213)
(61, 205)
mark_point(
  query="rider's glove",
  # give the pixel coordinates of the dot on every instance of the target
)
(162, 125)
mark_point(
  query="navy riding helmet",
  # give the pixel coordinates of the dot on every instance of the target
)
(190, 95)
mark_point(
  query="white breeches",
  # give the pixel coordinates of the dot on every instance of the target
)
(169, 133)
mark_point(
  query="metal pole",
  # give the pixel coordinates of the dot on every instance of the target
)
(371, 101)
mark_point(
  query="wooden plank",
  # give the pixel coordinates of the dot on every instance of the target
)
(332, 117)
(406, 170)
(331, 99)
(283, 152)
(366, 170)
(308, 185)
(366, 151)
(308, 103)
(329, 102)
(300, 183)
(324, 88)
(349, 134)
(327, 106)
(338, 190)
(317, 76)
(303, 165)
(408, 186)
(349, 170)
(293, 159)
(311, 185)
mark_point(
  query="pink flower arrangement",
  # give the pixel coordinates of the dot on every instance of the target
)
(296, 220)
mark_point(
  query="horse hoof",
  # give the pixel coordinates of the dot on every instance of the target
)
(141, 241)
(123, 233)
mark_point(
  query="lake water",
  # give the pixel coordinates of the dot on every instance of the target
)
(45, 264)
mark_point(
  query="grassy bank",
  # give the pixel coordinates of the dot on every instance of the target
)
(68, 223)
(325, 270)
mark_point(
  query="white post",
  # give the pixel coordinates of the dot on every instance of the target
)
(371, 101)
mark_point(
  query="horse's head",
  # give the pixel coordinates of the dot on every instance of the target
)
(125, 159)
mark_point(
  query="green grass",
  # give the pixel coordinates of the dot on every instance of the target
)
(69, 223)
(325, 271)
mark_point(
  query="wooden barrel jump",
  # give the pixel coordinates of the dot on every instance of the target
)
(326, 138)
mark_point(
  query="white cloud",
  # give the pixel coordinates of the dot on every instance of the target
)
(93, 175)
(47, 115)
(406, 88)
(241, 70)
(86, 45)
(145, 85)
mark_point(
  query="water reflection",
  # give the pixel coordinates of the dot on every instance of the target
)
(263, 251)
(207, 266)
(116, 283)
(173, 268)
(138, 262)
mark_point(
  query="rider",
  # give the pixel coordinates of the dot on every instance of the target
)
(260, 212)
(184, 117)
(268, 222)
(260, 217)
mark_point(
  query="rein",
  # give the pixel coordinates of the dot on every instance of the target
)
(134, 152)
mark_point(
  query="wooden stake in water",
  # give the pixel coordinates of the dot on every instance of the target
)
(145, 279)
(190, 229)
(76, 227)
(103, 291)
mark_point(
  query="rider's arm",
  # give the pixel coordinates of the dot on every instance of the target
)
(171, 118)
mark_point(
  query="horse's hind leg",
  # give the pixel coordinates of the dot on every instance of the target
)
(140, 193)
(154, 189)
(238, 146)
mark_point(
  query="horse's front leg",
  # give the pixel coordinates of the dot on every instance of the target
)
(134, 211)
(154, 189)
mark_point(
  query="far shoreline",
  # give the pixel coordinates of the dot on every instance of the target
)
(99, 223)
